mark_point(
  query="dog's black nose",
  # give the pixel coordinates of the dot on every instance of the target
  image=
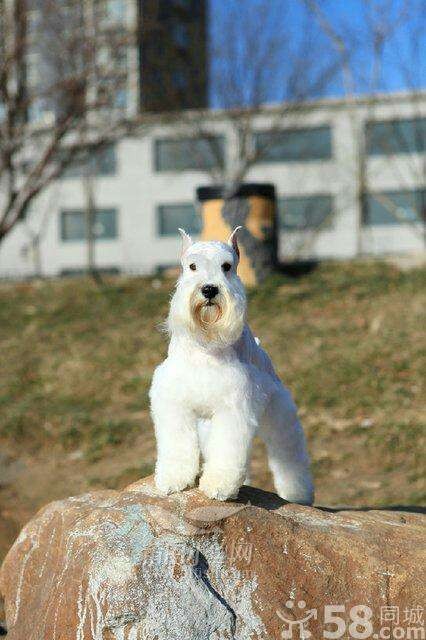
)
(209, 291)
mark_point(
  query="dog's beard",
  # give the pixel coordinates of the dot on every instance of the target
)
(206, 314)
(219, 321)
(215, 323)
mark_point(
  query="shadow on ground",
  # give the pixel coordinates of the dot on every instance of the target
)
(298, 268)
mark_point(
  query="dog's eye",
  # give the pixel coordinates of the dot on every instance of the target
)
(226, 266)
(193, 266)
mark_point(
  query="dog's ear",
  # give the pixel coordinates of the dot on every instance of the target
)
(186, 241)
(233, 242)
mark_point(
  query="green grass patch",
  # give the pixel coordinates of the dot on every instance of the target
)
(347, 338)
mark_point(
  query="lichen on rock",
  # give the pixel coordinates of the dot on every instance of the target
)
(133, 565)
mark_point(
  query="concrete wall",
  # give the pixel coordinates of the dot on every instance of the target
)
(137, 189)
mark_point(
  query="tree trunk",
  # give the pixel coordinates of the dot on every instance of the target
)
(90, 218)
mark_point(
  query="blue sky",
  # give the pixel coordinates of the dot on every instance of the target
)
(302, 58)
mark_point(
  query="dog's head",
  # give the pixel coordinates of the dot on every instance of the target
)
(209, 302)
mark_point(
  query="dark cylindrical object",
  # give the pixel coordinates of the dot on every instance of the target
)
(253, 206)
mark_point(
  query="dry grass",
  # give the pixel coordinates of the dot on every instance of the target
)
(348, 339)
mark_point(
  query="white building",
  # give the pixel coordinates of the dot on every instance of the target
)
(335, 200)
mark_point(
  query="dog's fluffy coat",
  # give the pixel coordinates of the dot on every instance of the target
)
(217, 388)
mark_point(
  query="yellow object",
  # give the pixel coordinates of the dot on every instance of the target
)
(260, 222)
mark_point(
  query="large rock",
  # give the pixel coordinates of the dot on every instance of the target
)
(132, 565)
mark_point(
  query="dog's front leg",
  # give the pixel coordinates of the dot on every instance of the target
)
(227, 454)
(178, 455)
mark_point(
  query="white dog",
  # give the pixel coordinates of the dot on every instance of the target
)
(217, 387)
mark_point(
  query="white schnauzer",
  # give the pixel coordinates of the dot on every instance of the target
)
(217, 387)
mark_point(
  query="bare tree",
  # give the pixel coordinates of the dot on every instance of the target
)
(257, 60)
(60, 89)
(384, 23)
(35, 228)
(90, 221)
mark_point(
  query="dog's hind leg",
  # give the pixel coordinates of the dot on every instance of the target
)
(287, 455)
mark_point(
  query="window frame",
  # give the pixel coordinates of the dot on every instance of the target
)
(78, 160)
(91, 157)
(374, 153)
(421, 220)
(66, 211)
(221, 138)
(159, 211)
(322, 158)
(283, 228)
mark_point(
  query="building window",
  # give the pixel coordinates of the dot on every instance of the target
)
(179, 79)
(112, 92)
(33, 21)
(102, 162)
(305, 212)
(116, 10)
(294, 145)
(73, 224)
(184, 4)
(184, 154)
(33, 69)
(394, 207)
(37, 110)
(172, 216)
(396, 136)
(120, 98)
(110, 12)
(111, 57)
(180, 34)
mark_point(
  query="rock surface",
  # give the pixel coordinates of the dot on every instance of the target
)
(132, 565)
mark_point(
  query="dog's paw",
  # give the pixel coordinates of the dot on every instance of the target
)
(219, 486)
(174, 480)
